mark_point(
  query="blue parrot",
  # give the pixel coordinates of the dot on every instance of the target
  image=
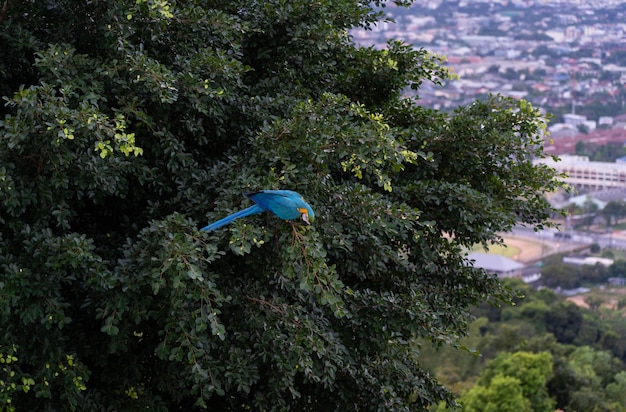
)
(286, 204)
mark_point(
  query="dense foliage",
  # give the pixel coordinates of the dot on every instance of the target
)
(543, 354)
(128, 125)
(609, 152)
(555, 274)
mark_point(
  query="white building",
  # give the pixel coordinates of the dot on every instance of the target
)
(499, 265)
(605, 121)
(593, 175)
(589, 261)
(574, 119)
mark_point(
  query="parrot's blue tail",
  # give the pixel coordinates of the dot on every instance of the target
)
(252, 210)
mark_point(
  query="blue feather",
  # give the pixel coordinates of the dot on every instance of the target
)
(286, 204)
(252, 210)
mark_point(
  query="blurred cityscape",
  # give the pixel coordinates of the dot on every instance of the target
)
(567, 57)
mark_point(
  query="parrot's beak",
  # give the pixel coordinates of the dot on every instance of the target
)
(305, 218)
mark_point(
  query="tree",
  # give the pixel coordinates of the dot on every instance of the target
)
(594, 247)
(594, 301)
(512, 382)
(617, 269)
(595, 274)
(594, 370)
(580, 373)
(590, 210)
(129, 125)
(532, 371)
(560, 275)
(583, 129)
(598, 367)
(533, 312)
(564, 321)
(503, 394)
(616, 392)
(614, 210)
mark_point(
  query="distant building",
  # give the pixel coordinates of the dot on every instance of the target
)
(505, 267)
(581, 200)
(558, 130)
(507, 53)
(605, 121)
(585, 174)
(480, 41)
(497, 264)
(608, 195)
(589, 260)
(590, 125)
(617, 281)
(572, 292)
(574, 119)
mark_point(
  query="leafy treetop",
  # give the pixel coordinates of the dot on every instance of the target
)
(128, 125)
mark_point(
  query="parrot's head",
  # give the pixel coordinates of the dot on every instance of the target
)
(308, 216)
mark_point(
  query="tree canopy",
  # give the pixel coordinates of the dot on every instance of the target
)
(534, 357)
(129, 125)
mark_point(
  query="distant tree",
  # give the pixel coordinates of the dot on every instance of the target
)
(609, 254)
(617, 269)
(575, 377)
(586, 399)
(563, 382)
(614, 211)
(564, 321)
(535, 312)
(594, 301)
(527, 371)
(590, 210)
(457, 367)
(616, 56)
(598, 366)
(544, 50)
(590, 330)
(584, 129)
(492, 30)
(560, 275)
(535, 36)
(503, 394)
(593, 370)
(612, 338)
(594, 248)
(593, 274)
(510, 74)
(520, 86)
(505, 337)
(616, 392)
